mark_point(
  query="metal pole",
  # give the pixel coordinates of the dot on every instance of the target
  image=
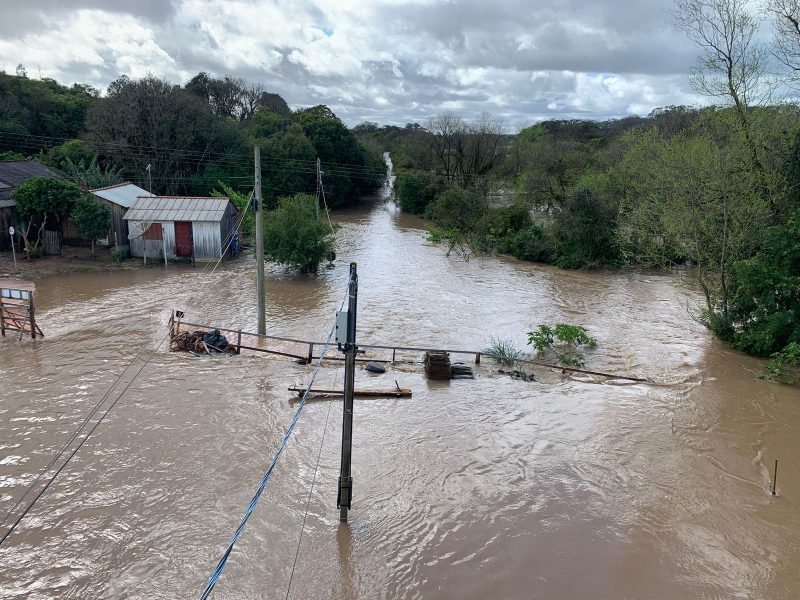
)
(13, 251)
(262, 319)
(775, 477)
(345, 479)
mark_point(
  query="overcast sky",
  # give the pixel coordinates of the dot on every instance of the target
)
(390, 61)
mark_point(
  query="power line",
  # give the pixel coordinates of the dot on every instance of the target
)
(229, 239)
(243, 158)
(212, 581)
(310, 492)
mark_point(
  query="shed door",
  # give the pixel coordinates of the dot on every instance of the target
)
(183, 238)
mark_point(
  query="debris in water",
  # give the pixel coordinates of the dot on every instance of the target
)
(462, 371)
(437, 365)
(202, 342)
(374, 367)
(518, 375)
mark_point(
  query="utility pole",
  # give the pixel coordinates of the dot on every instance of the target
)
(345, 479)
(262, 319)
(319, 185)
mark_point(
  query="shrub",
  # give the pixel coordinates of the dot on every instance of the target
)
(414, 190)
(119, 254)
(570, 338)
(584, 230)
(457, 208)
(779, 361)
(294, 236)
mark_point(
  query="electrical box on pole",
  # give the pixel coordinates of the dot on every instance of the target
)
(345, 496)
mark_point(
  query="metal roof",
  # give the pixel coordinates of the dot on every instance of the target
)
(14, 172)
(124, 194)
(177, 208)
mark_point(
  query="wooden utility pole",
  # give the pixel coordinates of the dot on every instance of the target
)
(262, 320)
(345, 478)
(319, 185)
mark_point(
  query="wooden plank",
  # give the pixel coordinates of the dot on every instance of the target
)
(395, 393)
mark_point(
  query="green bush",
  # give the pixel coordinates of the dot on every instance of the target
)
(414, 190)
(457, 208)
(119, 254)
(570, 339)
(584, 230)
(497, 225)
(779, 361)
(532, 243)
(294, 236)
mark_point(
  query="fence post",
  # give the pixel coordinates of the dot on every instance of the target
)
(477, 358)
(239, 342)
(310, 353)
(32, 313)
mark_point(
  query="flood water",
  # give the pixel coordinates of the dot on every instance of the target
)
(570, 487)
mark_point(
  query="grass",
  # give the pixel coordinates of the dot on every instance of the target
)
(503, 352)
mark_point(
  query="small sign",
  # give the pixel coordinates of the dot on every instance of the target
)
(11, 231)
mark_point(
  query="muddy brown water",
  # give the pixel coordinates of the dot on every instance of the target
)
(572, 487)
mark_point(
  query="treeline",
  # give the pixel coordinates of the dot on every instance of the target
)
(186, 139)
(682, 186)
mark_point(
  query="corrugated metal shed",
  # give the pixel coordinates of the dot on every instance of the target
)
(124, 194)
(177, 208)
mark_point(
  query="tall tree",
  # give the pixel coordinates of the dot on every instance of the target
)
(786, 25)
(152, 122)
(732, 66)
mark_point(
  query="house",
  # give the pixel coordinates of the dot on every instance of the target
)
(12, 174)
(181, 226)
(119, 198)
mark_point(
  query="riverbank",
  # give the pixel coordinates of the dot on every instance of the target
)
(72, 260)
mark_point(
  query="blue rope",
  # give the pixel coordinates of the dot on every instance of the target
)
(212, 581)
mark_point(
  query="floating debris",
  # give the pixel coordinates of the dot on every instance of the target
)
(202, 342)
(521, 375)
(398, 392)
(461, 371)
(437, 365)
(374, 367)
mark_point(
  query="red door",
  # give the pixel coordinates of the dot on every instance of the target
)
(183, 238)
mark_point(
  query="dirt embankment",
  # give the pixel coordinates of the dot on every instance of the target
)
(72, 260)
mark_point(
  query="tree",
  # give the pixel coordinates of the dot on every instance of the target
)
(457, 208)
(765, 293)
(92, 218)
(294, 236)
(41, 199)
(786, 26)
(183, 135)
(413, 191)
(91, 175)
(732, 66)
(289, 157)
(242, 202)
(348, 172)
(584, 229)
(691, 199)
(446, 143)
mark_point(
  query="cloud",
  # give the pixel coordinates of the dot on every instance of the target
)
(392, 61)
